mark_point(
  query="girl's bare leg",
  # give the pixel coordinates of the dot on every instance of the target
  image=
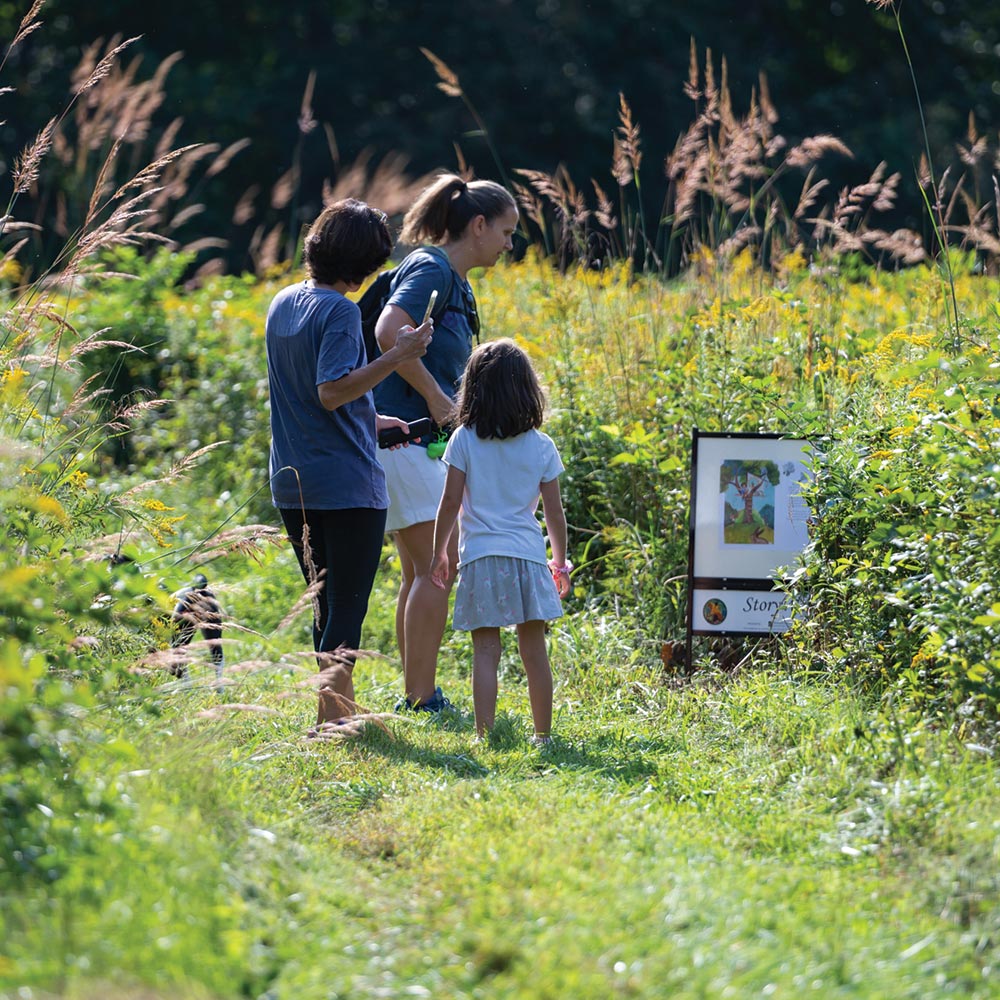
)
(485, 662)
(535, 657)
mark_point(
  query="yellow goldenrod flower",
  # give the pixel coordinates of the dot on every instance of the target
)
(49, 507)
(10, 270)
(791, 263)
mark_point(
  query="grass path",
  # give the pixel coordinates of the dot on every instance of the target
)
(749, 836)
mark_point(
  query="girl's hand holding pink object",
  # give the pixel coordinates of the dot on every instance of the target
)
(560, 575)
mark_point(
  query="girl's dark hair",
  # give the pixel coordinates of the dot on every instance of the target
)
(347, 242)
(500, 396)
(449, 204)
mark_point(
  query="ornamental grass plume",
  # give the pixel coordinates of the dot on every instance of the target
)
(229, 708)
(809, 195)
(559, 191)
(314, 575)
(349, 719)
(307, 598)
(246, 540)
(725, 188)
(111, 111)
(91, 71)
(247, 667)
(449, 83)
(179, 468)
(28, 23)
(531, 206)
(353, 724)
(387, 185)
(27, 165)
(627, 152)
(55, 513)
(605, 210)
(815, 147)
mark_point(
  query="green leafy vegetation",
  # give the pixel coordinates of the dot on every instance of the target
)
(813, 814)
(823, 820)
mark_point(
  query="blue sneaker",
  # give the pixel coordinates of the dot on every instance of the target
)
(436, 703)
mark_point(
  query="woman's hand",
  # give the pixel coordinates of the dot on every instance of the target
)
(410, 346)
(383, 422)
(412, 342)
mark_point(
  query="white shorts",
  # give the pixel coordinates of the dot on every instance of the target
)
(415, 484)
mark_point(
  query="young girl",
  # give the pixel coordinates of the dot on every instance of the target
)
(498, 464)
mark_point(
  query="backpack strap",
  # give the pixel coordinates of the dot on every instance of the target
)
(441, 308)
(442, 304)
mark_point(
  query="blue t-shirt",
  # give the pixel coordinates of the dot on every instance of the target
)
(422, 271)
(313, 335)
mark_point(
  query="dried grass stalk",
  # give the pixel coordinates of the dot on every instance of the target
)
(28, 23)
(178, 469)
(26, 167)
(447, 79)
(104, 66)
(231, 708)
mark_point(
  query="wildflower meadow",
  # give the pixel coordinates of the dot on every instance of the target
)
(813, 813)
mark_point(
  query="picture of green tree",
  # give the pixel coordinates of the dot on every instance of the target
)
(747, 488)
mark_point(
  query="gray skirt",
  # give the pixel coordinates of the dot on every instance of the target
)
(499, 590)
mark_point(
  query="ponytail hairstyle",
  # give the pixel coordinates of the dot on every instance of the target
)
(347, 242)
(444, 209)
(500, 396)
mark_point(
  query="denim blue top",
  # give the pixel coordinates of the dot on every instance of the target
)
(313, 335)
(422, 271)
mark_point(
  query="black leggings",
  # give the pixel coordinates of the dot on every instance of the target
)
(347, 544)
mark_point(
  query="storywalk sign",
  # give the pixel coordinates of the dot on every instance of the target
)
(748, 519)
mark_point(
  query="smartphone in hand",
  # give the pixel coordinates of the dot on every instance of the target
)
(397, 435)
(430, 307)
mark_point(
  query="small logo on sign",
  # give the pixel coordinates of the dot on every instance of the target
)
(714, 611)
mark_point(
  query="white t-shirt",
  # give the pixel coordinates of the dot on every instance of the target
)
(502, 485)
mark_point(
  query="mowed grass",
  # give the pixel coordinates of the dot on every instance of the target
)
(755, 834)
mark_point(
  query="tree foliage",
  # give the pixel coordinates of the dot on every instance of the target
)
(547, 76)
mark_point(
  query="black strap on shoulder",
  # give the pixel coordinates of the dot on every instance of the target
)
(442, 304)
(471, 313)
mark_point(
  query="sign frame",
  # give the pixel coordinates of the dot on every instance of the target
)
(733, 552)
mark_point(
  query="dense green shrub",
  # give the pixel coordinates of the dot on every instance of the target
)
(902, 579)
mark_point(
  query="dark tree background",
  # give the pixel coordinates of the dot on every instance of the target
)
(545, 76)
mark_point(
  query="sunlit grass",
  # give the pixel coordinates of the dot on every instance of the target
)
(744, 834)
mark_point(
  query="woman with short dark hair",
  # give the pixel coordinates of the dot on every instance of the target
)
(326, 480)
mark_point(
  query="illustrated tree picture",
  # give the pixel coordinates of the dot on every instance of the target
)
(747, 488)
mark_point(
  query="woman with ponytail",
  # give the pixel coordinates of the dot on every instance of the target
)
(457, 225)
